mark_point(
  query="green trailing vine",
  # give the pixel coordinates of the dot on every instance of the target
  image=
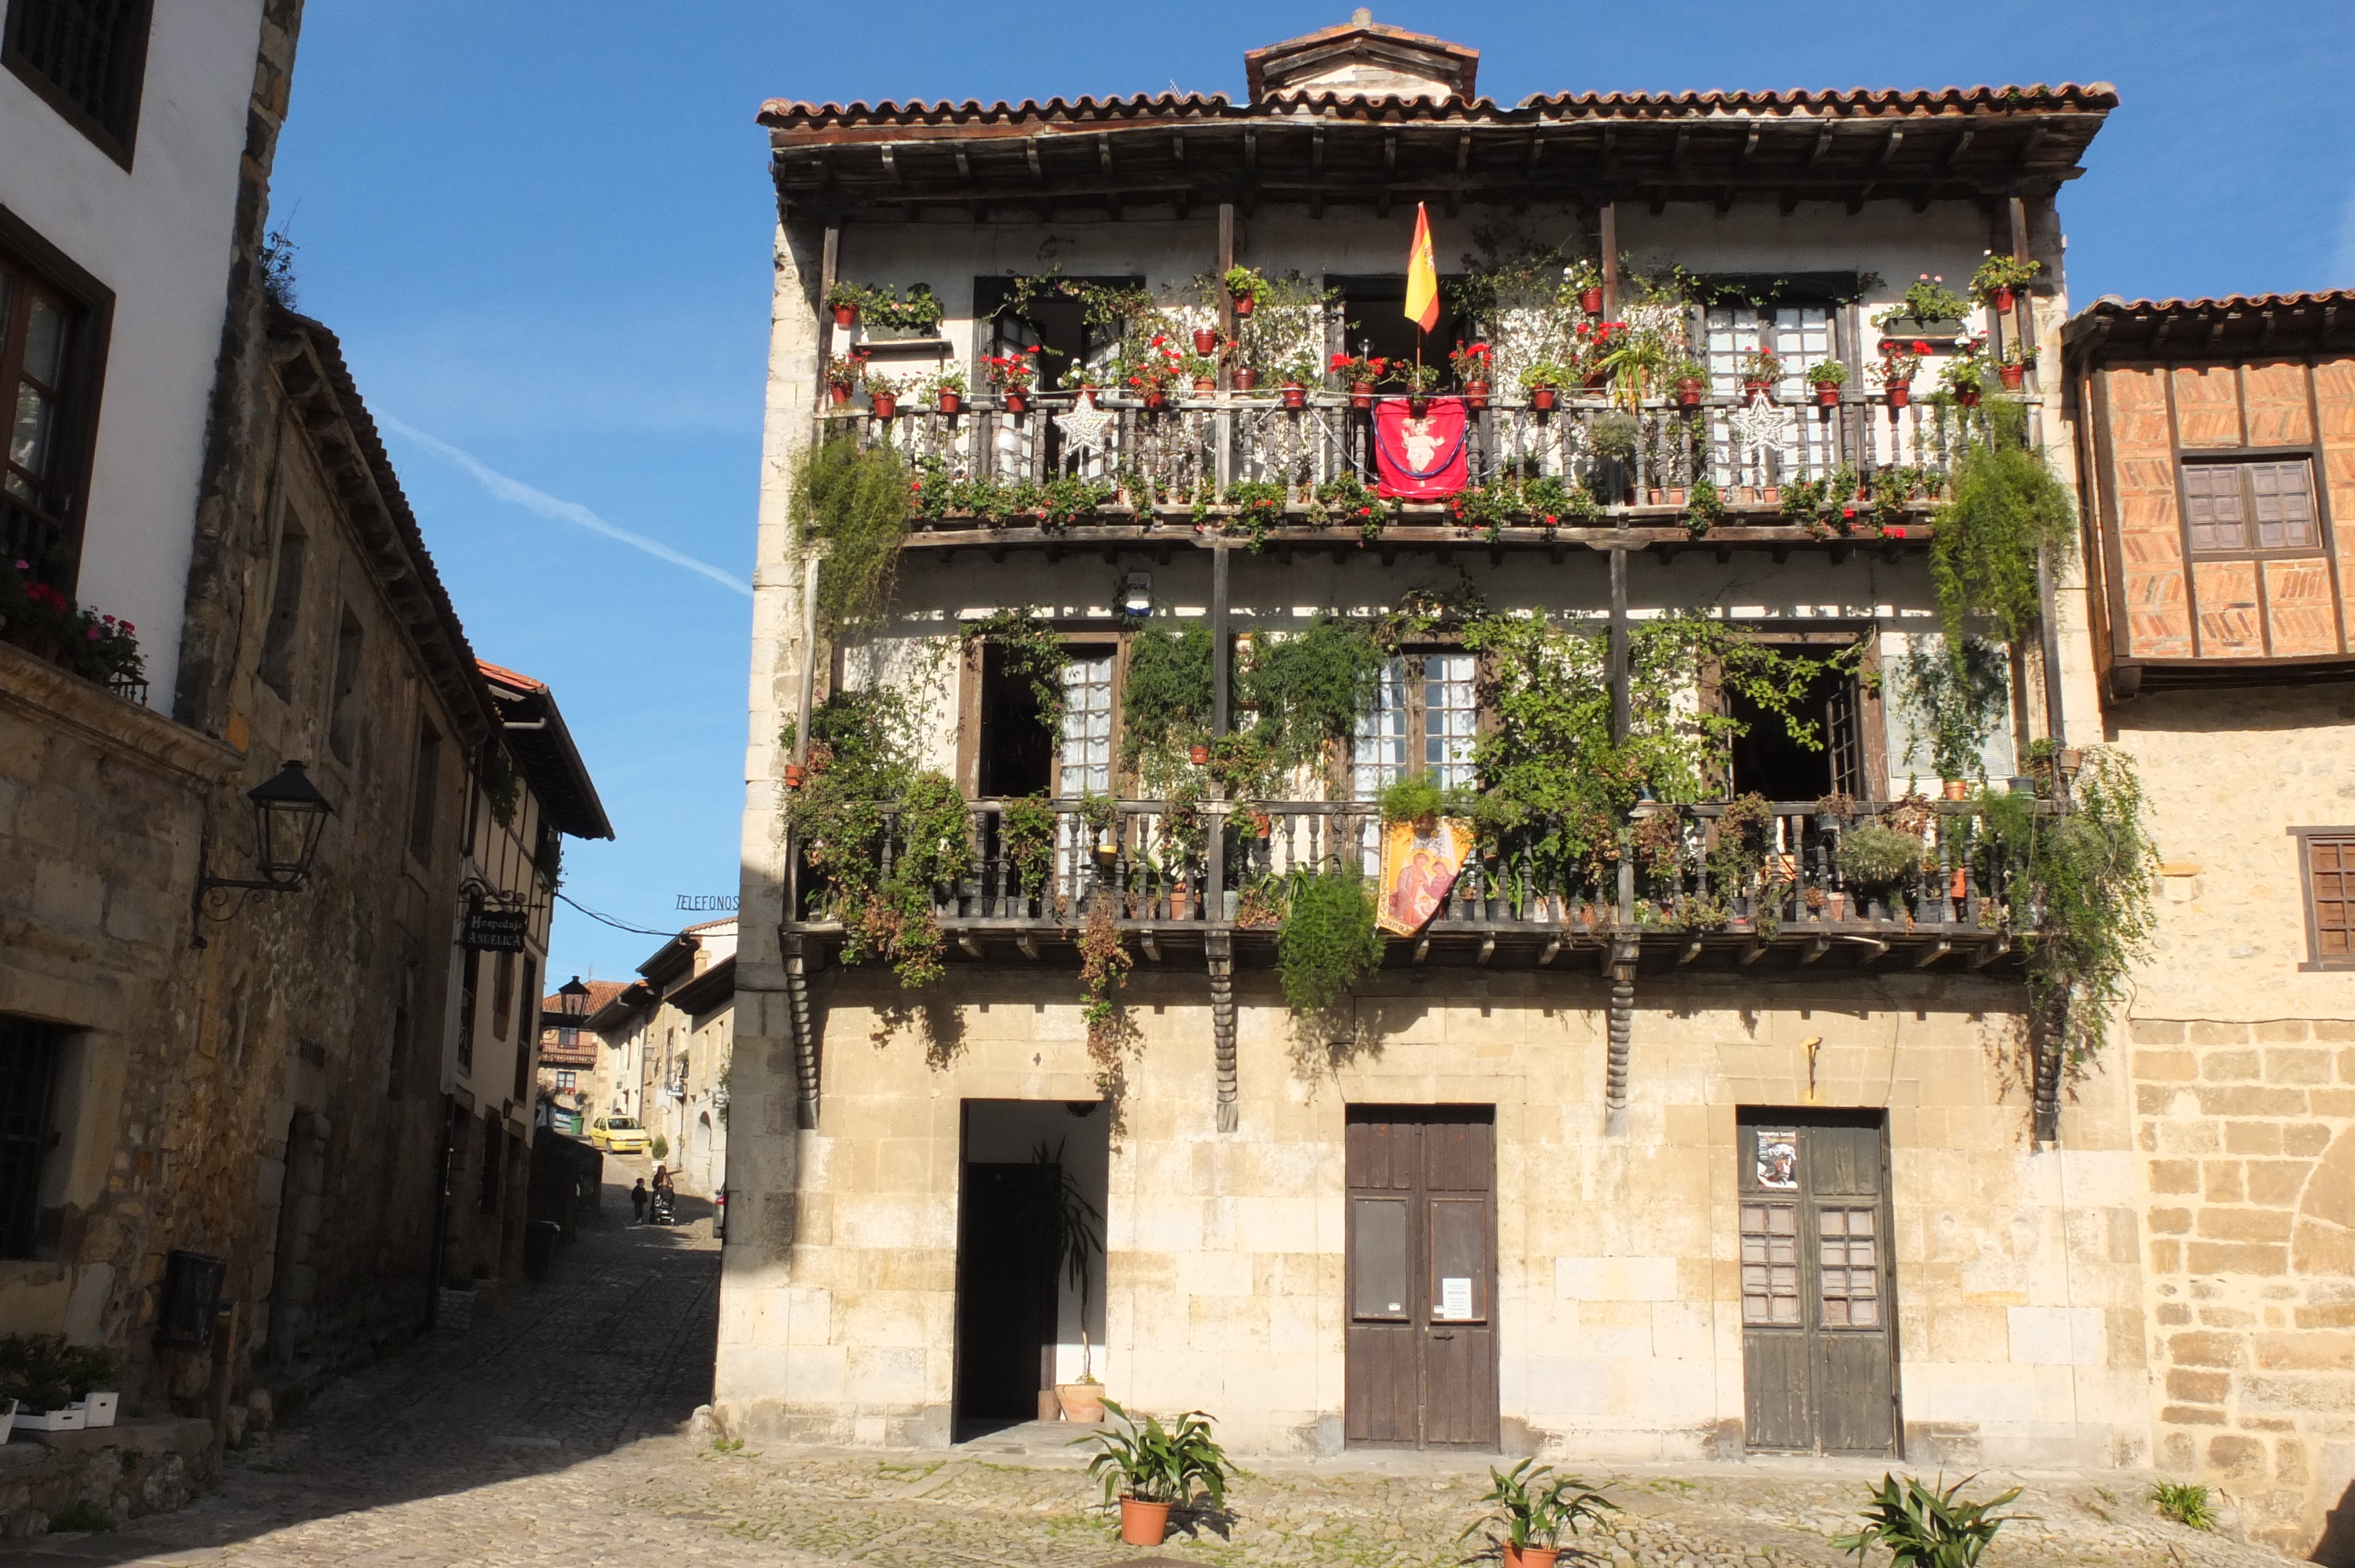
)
(1166, 705)
(1104, 963)
(861, 752)
(2005, 507)
(502, 785)
(1329, 938)
(2083, 888)
(1026, 833)
(1953, 698)
(1032, 651)
(856, 501)
(1309, 687)
(1258, 507)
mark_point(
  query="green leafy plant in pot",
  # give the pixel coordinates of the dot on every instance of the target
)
(1878, 859)
(1533, 1510)
(1074, 1228)
(1923, 1528)
(1148, 1468)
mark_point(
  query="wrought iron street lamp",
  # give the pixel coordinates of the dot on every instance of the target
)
(289, 814)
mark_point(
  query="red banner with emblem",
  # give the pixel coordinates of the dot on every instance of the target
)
(1420, 457)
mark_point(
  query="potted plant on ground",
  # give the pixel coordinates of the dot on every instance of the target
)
(1358, 373)
(1998, 277)
(1149, 1468)
(1760, 371)
(1473, 365)
(1900, 363)
(844, 299)
(1584, 280)
(1691, 377)
(1012, 376)
(1919, 1528)
(1533, 1510)
(1074, 1230)
(1930, 308)
(56, 1387)
(1543, 382)
(1245, 288)
(1827, 377)
(947, 387)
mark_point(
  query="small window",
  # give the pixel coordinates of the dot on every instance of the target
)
(86, 58)
(344, 709)
(30, 1056)
(285, 614)
(2250, 508)
(565, 1077)
(2328, 859)
(1425, 719)
(35, 327)
(568, 1039)
(424, 790)
(503, 974)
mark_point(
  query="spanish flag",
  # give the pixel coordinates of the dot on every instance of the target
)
(1422, 277)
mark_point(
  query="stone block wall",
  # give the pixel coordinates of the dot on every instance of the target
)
(2246, 1136)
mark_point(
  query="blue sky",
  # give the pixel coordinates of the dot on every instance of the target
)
(543, 234)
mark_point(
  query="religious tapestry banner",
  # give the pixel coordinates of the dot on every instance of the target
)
(1424, 458)
(1420, 861)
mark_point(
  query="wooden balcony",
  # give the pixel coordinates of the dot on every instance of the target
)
(1792, 913)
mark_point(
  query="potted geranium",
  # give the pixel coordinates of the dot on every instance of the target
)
(1597, 344)
(1153, 370)
(947, 388)
(1150, 1468)
(2013, 367)
(1962, 376)
(1534, 1509)
(1998, 277)
(1358, 373)
(1760, 371)
(1584, 279)
(1900, 363)
(1298, 374)
(1418, 379)
(1690, 378)
(1012, 376)
(1473, 364)
(883, 394)
(842, 373)
(1827, 377)
(1543, 382)
(1245, 289)
(844, 299)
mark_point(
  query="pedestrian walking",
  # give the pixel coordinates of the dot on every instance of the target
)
(638, 1203)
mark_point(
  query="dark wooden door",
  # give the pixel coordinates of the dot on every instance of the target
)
(1005, 1295)
(1818, 1302)
(1421, 1352)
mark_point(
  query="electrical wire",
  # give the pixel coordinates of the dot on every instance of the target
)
(608, 919)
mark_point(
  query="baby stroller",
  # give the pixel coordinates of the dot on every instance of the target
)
(659, 1210)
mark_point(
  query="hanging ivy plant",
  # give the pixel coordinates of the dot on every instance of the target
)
(1166, 703)
(854, 501)
(1104, 963)
(1027, 830)
(1327, 940)
(502, 785)
(1030, 650)
(1953, 698)
(1310, 687)
(2006, 507)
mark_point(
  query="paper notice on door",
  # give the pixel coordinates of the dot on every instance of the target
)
(1454, 1299)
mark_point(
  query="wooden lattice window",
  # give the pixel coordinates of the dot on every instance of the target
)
(2326, 857)
(1425, 718)
(86, 58)
(1848, 1266)
(1770, 1262)
(29, 1053)
(2250, 508)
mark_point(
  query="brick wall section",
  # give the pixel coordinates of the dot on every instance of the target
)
(2248, 1136)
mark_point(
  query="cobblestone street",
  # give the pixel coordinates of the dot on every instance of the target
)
(555, 1431)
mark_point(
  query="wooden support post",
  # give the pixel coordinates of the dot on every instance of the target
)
(829, 253)
(1222, 664)
(1226, 260)
(1610, 260)
(1618, 675)
(1624, 953)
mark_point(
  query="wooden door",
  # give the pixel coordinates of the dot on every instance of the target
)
(1818, 1303)
(1420, 1355)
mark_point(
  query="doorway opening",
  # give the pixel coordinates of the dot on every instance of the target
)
(1768, 762)
(1819, 1287)
(1420, 1355)
(1373, 321)
(1017, 749)
(1030, 1259)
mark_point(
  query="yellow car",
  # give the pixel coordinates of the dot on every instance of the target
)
(617, 1135)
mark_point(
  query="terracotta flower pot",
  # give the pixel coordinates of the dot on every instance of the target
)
(1756, 389)
(1958, 789)
(885, 403)
(1598, 379)
(2013, 375)
(1295, 396)
(1017, 402)
(950, 400)
(1688, 393)
(1200, 756)
(846, 315)
(1205, 384)
(1476, 394)
(1206, 340)
(1968, 396)
(1142, 1524)
(1246, 379)
(1083, 1402)
(1901, 393)
(794, 774)
(1828, 394)
(1417, 404)
(1156, 398)
(1541, 398)
(1243, 303)
(1362, 393)
(841, 395)
(1591, 301)
(1530, 1556)
(2003, 301)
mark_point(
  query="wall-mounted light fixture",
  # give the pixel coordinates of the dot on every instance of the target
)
(289, 814)
(1136, 594)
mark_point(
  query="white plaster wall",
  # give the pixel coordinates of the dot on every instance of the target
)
(159, 236)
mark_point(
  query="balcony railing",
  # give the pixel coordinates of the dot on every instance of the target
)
(1223, 865)
(1198, 445)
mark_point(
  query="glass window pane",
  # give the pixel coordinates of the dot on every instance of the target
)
(28, 437)
(45, 343)
(1377, 1272)
(1378, 752)
(1087, 724)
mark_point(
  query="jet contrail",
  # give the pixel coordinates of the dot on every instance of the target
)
(547, 505)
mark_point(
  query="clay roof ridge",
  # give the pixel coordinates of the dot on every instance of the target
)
(2111, 305)
(507, 677)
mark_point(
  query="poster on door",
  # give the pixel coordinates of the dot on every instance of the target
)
(1778, 1160)
(1454, 1299)
(1420, 861)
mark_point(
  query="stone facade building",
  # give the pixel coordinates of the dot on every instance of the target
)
(244, 1055)
(668, 1038)
(1678, 1182)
